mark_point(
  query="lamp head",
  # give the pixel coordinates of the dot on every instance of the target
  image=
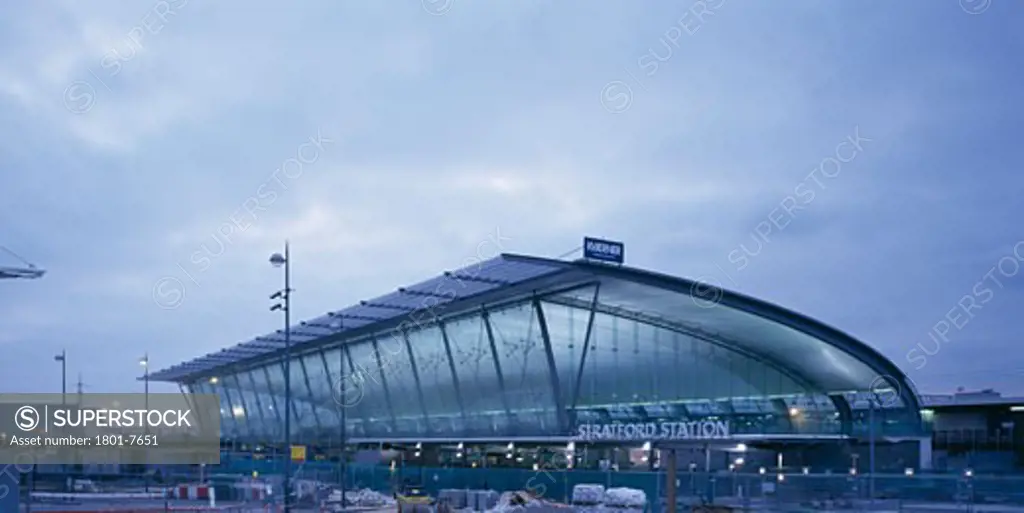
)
(277, 260)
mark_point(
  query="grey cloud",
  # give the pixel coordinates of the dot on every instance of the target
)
(426, 109)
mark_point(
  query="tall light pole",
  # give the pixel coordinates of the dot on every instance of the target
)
(144, 362)
(62, 358)
(871, 450)
(342, 401)
(277, 260)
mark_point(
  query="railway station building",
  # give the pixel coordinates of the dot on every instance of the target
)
(608, 362)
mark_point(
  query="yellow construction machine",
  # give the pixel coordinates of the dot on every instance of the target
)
(413, 499)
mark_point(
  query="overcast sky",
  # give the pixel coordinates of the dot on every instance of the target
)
(858, 162)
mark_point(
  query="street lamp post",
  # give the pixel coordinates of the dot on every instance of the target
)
(277, 260)
(871, 450)
(344, 428)
(62, 358)
(144, 362)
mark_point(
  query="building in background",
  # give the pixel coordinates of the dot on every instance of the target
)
(982, 430)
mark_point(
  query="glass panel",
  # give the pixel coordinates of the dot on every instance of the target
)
(401, 382)
(507, 270)
(450, 287)
(829, 366)
(402, 299)
(745, 405)
(271, 401)
(475, 363)
(320, 388)
(632, 361)
(588, 416)
(725, 406)
(621, 413)
(567, 328)
(257, 422)
(270, 420)
(440, 399)
(366, 311)
(319, 382)
(410, 426)
(882, 400)
(372, 405)
(698, 408)
(242, 410)
(801, 402)
(205, 387)
(227, 421)
(329, 395)
(824, 402)
(525, 367)
(350, 396)
(827, 416)
(275, 377)
(659, 410)
(810, 413)
(307, 423)
(334, 358)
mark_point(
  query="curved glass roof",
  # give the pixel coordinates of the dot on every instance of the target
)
(808, 352)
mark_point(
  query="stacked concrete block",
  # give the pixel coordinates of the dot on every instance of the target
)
(457, 499)
(588, 498)
(481, 500)
(625, 498)
(588, 494)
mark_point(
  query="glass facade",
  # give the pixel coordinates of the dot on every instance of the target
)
(540, 366)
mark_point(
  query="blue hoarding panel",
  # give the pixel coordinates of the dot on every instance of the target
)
(604, 250)
(10, 480)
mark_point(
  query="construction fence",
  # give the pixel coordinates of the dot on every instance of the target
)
(774, 489)
(698, 487)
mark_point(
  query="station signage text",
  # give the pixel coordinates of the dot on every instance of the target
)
(646, 431)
